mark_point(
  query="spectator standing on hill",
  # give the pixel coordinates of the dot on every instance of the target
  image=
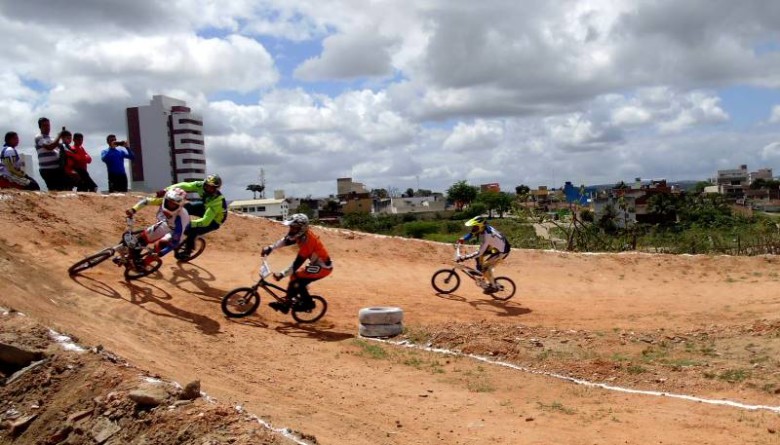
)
(114, 157)
(78, 160)
(71, 178)
(12, 173)
(50, 165)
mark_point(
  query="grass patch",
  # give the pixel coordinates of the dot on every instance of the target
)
(636, 369)
(734, 375)
(371, 350)
(556, 406)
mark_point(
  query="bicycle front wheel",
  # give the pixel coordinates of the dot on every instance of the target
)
(91, 261)
(150, 267)
(240, 302)
(506, 289)
(445, 281)
(313, 314)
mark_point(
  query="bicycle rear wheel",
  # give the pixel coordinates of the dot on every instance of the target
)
(240, 302)
(445, 281)
(313, 314)
(200, 246)
(506, 289)
(91, 261)
(150, 267)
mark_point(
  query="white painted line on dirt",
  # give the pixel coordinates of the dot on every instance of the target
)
(733, 404)
(286, 432)
(66, 342)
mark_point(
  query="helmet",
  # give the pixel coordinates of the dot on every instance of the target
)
(298, 224)
(213, 181)
(173, 202)
(477, 224)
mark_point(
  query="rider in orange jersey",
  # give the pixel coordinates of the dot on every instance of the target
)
(309, 248)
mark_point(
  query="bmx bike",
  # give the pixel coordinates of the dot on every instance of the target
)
(244, 301)
(447, 281)
(137, 264)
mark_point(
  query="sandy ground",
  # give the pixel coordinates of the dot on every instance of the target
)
(705, 326)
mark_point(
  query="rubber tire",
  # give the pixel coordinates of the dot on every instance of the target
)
(380, 315)
(238, 293)
(320, 307)
(132, 274)
(200, 246)
(509, 289)
(441, 277)
(380, 330)
(91, 261)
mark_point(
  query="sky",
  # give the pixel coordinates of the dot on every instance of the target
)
(402, 94)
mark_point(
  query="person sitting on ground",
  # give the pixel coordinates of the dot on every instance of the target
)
(210, 213)
(309, 247)
(172, 220)
(12, 173)
(493, 250)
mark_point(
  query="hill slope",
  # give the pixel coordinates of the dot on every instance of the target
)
(706, 326)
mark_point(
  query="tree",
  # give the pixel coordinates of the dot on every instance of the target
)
(663, 207)
(379, 193)
(305, 209)
(700, 186)
(522, 189)
(462, 194)
(409, 193)
(423, 193)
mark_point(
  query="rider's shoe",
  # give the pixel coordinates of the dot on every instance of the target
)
(279, 307)
(183, 254)
(304, 305)
(490, 289)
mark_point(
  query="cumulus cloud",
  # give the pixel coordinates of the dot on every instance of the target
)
(774, 117)
(408, 91)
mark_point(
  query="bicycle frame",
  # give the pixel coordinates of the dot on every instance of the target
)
(263, 283)
(470, 272)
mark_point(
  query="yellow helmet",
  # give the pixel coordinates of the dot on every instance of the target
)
(477, 224)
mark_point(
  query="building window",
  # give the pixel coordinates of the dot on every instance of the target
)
(261, 208)
(193, 161)
(191, 141)
(190, 170)
(183, 151)
(191, 121)
(186, 131)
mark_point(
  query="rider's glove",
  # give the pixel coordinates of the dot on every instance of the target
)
(278, 276)
(159, 193)
(130, 212)
(266, 251)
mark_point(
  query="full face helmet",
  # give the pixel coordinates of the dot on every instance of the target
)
(298, 224)
(212, 184)
(477, 224)
(173, 202)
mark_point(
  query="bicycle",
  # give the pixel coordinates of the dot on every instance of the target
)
(124, 255)
(179, 252)
(446, 281)
(244, 301)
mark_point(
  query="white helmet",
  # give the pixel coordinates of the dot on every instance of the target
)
(173, 202)
(298, 224)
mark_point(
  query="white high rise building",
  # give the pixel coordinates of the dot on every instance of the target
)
(167, 140)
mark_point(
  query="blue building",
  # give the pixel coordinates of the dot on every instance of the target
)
(580, 195)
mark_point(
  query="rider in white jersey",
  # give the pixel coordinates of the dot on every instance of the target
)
(494, 249)
(172, 220)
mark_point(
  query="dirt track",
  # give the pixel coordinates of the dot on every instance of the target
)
(593, 317)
